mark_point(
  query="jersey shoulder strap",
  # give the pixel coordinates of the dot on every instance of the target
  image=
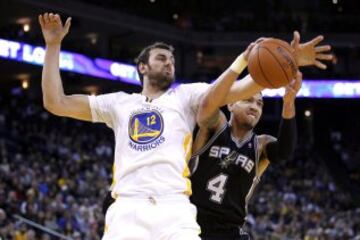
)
(210, 141)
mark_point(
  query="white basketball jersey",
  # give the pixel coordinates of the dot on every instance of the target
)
(153, 139)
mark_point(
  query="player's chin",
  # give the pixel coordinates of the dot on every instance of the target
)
(252, 122)
(166, 83)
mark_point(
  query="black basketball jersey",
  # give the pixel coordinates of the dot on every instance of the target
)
(225, 173)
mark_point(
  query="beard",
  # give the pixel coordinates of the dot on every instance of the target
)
(245, 123)
(160, 80)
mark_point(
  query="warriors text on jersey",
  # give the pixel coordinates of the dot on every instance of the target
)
(153, 139)
(225, 174)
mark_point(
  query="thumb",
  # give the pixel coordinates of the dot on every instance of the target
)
(67, 25)
(296, 40)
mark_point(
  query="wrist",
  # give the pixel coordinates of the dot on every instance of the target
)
(239, 64)
(53, 45)
(288, 103)
(288, 111)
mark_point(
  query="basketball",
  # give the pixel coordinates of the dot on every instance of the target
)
(272, 64)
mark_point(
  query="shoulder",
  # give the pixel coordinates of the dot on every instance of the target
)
(108, 100)
(114, 95)
(192, 87)
(265, 139)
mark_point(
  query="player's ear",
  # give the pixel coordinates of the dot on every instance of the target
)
(142, 68)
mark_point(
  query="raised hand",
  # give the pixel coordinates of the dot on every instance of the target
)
(309, 53)
(247, 51)
(293, 88)
(52, 28)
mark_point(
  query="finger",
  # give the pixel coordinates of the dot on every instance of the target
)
(260, 40)
(289, 91)
(46, 18)
(51, 17)
(41, 20)
(327, 57)
(298, 83)
(316, 40)
(67, 24)
(299, 75)
(251, 46)
(296, 40)
(57, 19)
(323, 48)
(292, 82)
(320, 65)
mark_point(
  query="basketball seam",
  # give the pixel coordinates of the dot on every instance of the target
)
(262, 71)
(285, 48)
(281, 44)
(287, 77)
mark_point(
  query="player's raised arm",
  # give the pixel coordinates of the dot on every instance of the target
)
(54, 98)
(284, 147)
(218, 93)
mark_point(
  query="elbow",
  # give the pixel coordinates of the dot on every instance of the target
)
(47, 105)
(200, 120)
(201, 117)
(202, 123)
(51, 107)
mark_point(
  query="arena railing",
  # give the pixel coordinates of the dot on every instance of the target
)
(41, 227)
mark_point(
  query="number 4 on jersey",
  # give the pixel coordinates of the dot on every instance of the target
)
(216, 186)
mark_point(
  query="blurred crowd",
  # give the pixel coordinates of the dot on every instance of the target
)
(53, 171)
(56, 172)
(299, 200)
(258, 15)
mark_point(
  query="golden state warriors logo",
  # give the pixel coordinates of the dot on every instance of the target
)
(145, 129)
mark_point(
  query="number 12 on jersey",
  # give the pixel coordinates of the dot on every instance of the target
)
(216, 186)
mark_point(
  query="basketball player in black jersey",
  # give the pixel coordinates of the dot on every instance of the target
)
(229, 159)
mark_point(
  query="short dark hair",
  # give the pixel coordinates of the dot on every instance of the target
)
(143, 57)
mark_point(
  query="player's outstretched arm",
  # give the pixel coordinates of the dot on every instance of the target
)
(284, 146)
(54, 98)
(218, 93)
(310, 53)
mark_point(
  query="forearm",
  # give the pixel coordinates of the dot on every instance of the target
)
(51, 81)
(242, 89)
(287, 137)
(217, 93)
(288, 110)
(215, 96)
(284, 147)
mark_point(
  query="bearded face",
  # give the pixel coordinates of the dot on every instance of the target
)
(160, 69)
(247, 112)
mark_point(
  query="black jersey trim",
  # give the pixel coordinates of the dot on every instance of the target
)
(241, 143)
(256, 179)
(211, 141)
(257, 155)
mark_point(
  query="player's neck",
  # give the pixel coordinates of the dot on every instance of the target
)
(152, 92)
(239, 131)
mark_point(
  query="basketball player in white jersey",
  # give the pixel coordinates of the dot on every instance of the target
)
(153, 135)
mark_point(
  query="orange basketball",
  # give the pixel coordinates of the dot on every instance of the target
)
(272, 64)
